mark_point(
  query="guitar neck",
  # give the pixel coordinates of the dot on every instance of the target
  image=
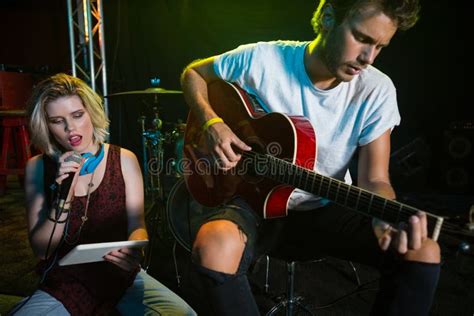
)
(349, 196)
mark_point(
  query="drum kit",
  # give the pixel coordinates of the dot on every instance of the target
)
(162, 165)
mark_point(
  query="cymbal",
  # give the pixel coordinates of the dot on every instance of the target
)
(147, 91)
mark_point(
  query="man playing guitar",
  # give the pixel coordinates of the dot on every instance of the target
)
(353, 108)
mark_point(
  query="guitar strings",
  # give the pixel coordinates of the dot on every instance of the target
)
(363, 196)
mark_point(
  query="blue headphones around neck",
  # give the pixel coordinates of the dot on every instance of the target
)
(92, 161)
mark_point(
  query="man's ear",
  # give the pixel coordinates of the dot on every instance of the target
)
(327, 20)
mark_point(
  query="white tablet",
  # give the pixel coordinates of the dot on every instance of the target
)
(95, 252)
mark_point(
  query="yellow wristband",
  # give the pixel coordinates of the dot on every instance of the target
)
(212, 121)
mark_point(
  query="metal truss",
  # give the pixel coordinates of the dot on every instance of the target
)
(87, 44)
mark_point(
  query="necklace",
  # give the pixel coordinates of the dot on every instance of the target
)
(84, 218)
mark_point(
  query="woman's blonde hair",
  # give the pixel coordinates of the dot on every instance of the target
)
(51, 89)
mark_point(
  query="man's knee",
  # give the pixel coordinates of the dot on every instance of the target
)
(219, 245)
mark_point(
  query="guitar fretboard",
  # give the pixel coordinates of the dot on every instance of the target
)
(349, 196)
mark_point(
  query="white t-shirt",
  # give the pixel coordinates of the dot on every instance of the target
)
(349, 115)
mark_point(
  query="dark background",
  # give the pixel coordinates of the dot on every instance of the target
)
(432, 149)
(158, 38)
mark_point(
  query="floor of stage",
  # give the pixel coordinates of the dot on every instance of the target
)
(329, 286)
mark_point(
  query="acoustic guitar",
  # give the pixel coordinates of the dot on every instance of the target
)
(282, 158)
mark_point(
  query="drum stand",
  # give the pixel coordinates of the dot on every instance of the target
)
(152, 143)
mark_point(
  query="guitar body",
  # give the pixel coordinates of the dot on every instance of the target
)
(291, 138)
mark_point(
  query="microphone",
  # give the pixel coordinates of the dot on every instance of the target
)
(66, 183)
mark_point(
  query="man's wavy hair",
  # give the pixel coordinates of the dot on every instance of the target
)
(404, 12)
(51, 89)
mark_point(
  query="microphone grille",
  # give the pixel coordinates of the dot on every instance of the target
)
(76, 157)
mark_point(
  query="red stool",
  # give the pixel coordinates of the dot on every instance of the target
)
(15, 146)
(15, 89)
